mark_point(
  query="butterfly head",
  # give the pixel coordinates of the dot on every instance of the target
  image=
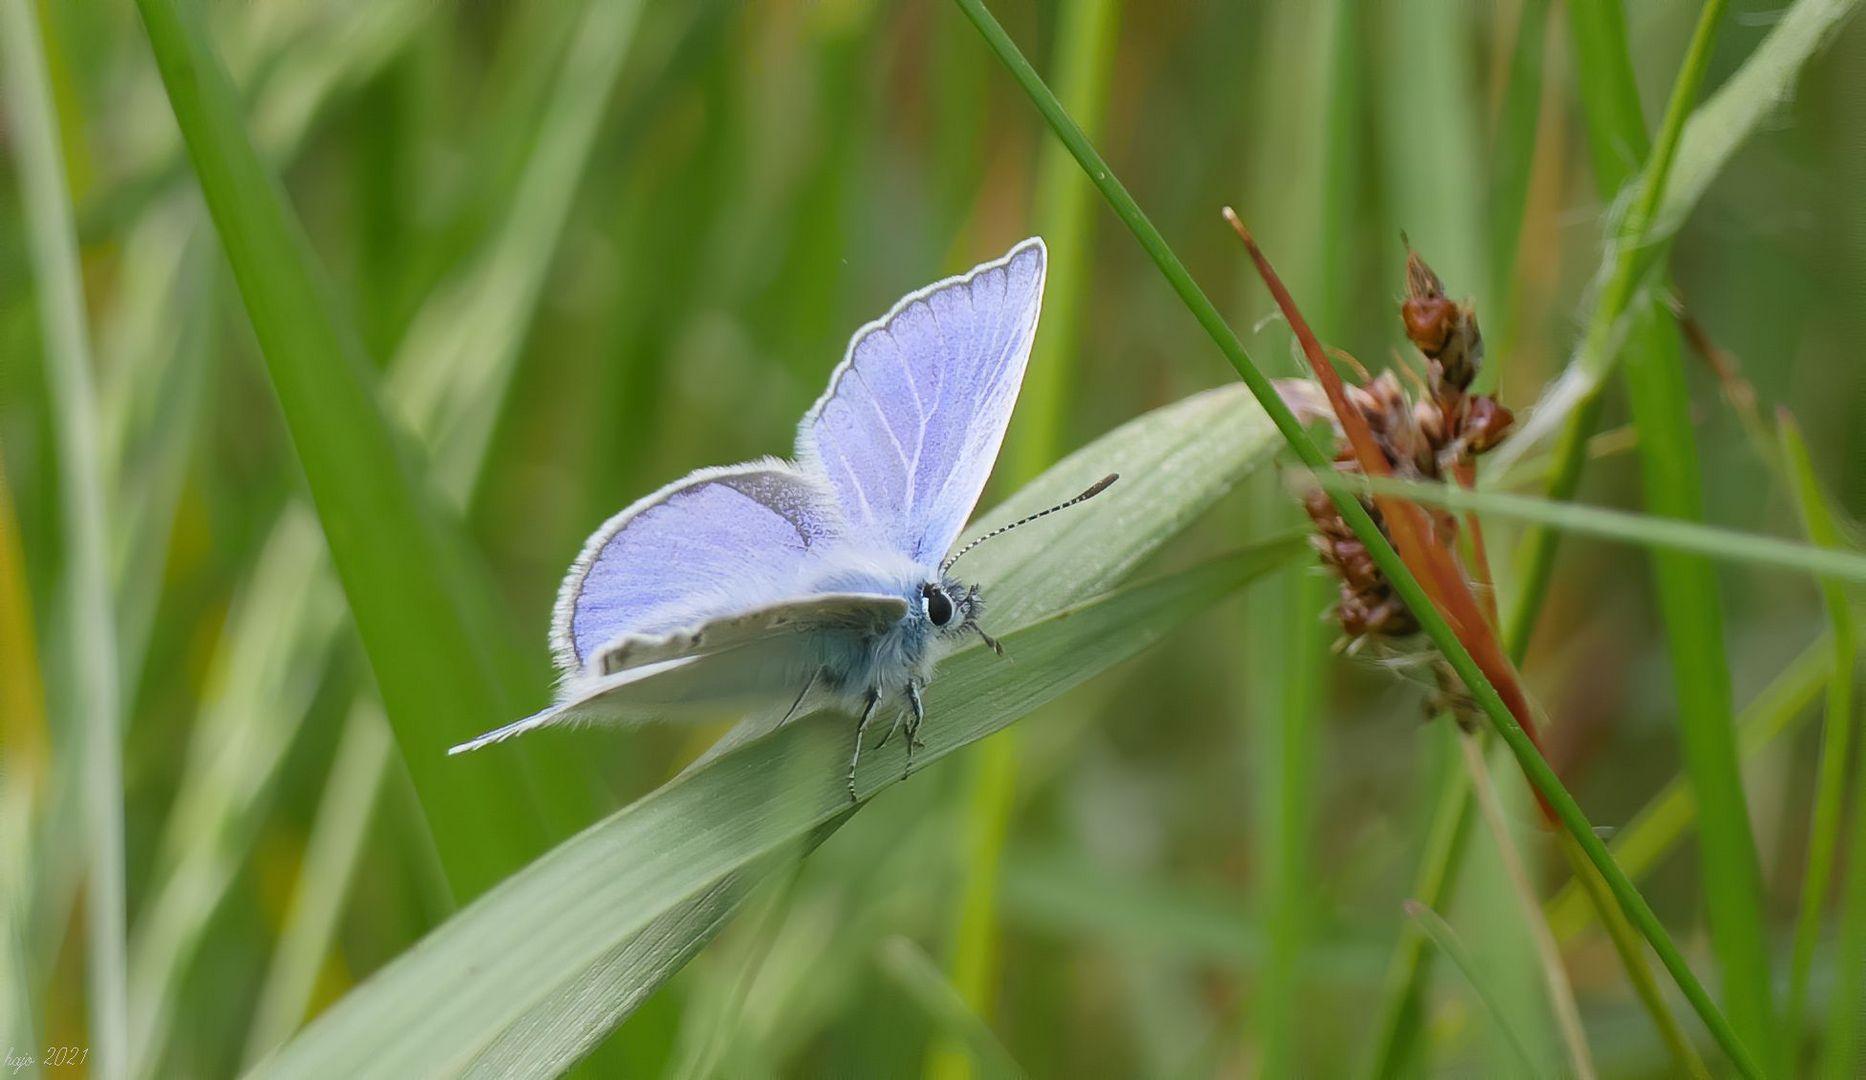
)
(948, 603)
(953, 609)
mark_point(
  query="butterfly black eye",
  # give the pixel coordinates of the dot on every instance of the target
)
(939, 605)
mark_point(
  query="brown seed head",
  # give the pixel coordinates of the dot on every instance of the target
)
(1486, 423)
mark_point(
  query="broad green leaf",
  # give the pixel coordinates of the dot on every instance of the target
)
(1194, 450)
(543, 931)
(537, 972)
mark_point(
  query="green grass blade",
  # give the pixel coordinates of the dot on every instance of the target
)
(1084, 52)
(1632, 958)
(1560, 990)
(1442, 935)
(1423, 67)
(1842, 1056)
(1686, 584)
(1616, 130)
(1835, 566)
(1705, 144)
(453, 365)
(1512, 154)
(1693, 617)
(447, 379)
(1830, 787)
(25, 766)
(1285, 636)
(975, 939)
(538, 934)
(279, 633)
(1512, 151)
(1400, 1021)
(913, 971)
(1623, 320)
(158, 336)
(1743, 104)
(1541, 776)
(365, 752)
(94, 697)
(430, 663)
(1656, 830)
(1065, 218)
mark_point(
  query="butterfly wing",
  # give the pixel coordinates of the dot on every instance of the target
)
(854, 613)
(910, 426)
(719, 542)
(741, 656)
(733, 581)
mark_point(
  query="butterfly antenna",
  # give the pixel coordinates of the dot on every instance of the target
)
(1095, 489)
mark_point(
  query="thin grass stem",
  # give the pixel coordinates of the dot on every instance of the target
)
(1830, 785)
(1439, 932)
(1084, 52)
(1554, 972)
(94, 696)
(1608, 330)
(1541, 776)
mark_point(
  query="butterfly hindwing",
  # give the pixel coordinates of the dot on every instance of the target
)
(855, 613)
(910, 426)
(719, 542)
(737, 657)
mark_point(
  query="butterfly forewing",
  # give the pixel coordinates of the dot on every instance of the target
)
(720, 542)
(909, 429)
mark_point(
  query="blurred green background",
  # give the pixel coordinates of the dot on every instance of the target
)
(596, 246)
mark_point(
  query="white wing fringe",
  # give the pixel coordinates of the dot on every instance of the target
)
(516, 727)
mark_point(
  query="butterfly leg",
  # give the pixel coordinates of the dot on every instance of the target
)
(861, 729)
(892, 728)
(972, 623)
(919, 713)
(801, 694)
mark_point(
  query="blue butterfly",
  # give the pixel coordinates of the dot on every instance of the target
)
(826, 578)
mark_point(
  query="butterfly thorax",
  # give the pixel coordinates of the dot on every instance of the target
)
(941, 613)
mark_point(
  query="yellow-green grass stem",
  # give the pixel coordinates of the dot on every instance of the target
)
(1064, 205)
(1830, 786)
(93, 698)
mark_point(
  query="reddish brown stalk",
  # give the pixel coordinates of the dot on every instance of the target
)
(1465, 472)
(1431, 562)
